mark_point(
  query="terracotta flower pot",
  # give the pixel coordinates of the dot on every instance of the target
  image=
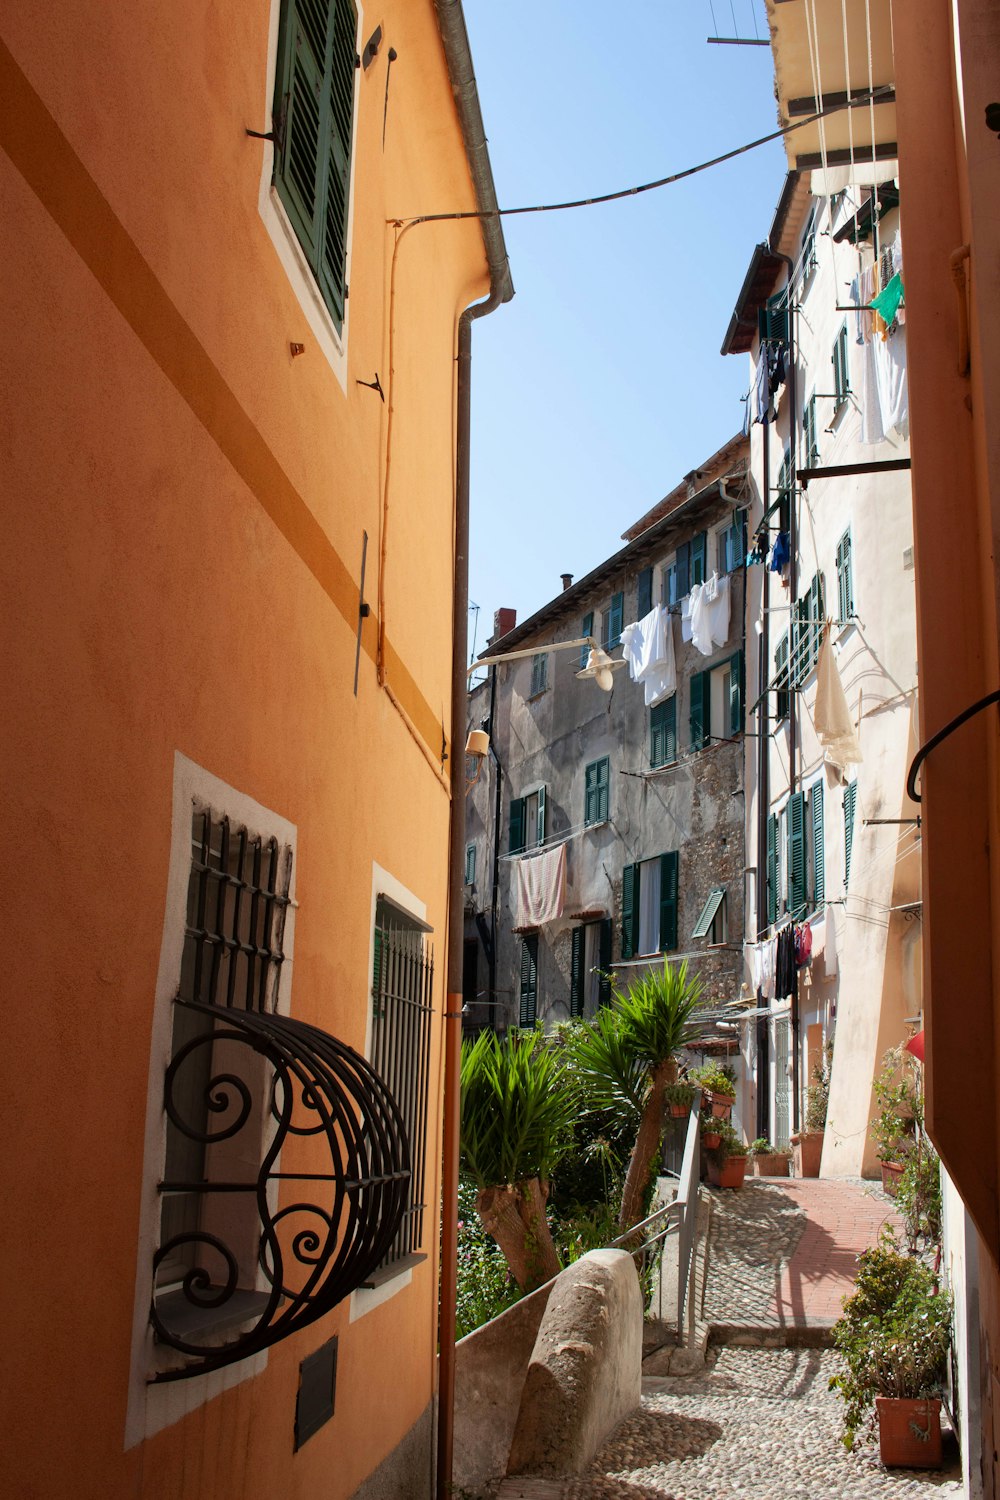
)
(678, 1111)
(722, 1106)
(807, 1152)
(892, 1171)
(771, 1164)
(710, 1139)
(909, 1432)
(730, 1174)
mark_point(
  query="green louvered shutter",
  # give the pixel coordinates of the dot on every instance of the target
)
(699, 709)
(809, 432)
(630, 910)
(541, 815)
(782, 695)
(699, 557)
(819, 860)
(588, 629)
(850, 800)
(683, 565)
(845, 579)
(796, 841)
(576, 975)
(772, 319)
(816, 610)
(736, 693)
(313, 111)
(529, 981)
(613, 622)
(644, 594)
(668, 902)
(604, 962)
(772, 869)
(516, 843)
(663, 732)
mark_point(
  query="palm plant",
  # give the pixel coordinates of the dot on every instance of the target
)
(516, 1125)
(628, 1057)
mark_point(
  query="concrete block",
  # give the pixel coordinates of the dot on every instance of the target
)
(585, 1372)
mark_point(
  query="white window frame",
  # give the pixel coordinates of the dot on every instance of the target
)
(649, 909)
(279, 227)
(153, 1407)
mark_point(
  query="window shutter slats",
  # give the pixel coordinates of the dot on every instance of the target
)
(819, 868)
(529, 981)
(663, 732)
(587, 629)
(699, 555)
(772, 869)
(516, 843)
(630, 910)
(541, 815)
(736, 693)
(683, 566)
(576, 975)
(850, 800)
(699, 710)
(644, 593)
(796, 846)
(668, 902)
(604, 949)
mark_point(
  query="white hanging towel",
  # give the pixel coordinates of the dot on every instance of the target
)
(541, 887)
(648, 647)
(686, 618)
(701, 622)
(716, 599)
(831, 714)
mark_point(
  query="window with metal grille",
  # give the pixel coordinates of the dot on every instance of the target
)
(402, 1007)
(313, 120)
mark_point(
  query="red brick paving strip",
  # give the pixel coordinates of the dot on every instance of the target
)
(842, 1219)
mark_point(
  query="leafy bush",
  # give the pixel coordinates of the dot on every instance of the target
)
(762, 1147)
(894, 1334)
(485, 1285)
(818, 1092)
(591, 1173)
(918, 1197)
(896, 1127)
(680, 1093)
(730, 1143)
(717, 1080)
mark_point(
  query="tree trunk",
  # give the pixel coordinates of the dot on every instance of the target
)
(642, 1162)
(515, 1217)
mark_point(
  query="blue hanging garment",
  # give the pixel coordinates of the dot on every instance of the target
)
(780, 554)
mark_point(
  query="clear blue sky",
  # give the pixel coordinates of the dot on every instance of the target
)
(601, 384)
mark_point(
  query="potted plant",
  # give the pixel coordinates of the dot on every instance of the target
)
(807, 1143)
(718, 1083)
(894, 1337)
(727, 1160)
(680, 1097)
(711, 1127)
(767, 1160)
(897, 1125)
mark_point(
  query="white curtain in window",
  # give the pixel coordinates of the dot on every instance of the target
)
(649, 906)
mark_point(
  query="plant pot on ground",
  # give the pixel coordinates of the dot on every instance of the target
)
(727, 1160)
(892, 1171)
(894, 1337)
(807, 1153)
(807, 1143)
(767, 1160)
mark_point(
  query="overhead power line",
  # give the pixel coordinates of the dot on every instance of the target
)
(870, 96)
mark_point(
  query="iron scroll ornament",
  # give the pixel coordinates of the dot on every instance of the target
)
(311, 1254)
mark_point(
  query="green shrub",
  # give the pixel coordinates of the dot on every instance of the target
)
(918, 1197)
(730, 1143)
(485, 1285)
(717, 1080)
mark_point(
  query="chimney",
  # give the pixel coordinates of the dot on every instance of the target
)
(503, 621)
(567, 579)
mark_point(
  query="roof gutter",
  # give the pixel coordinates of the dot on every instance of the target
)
(455, 39)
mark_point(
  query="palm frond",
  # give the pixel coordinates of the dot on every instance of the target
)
(517, 1110)
(609, 1073)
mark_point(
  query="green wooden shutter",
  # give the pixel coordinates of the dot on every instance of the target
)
(313, 111)
(772, 869)
(782, 695)
(816, 611)
(809, 432)
(683, 565)
(576, 974)
(818, 859)
(603, 789)
(630, 910)
(516, 842)
(845, 580)
(604, 960)
(644, 594)
(736, 693)
(700, 700)
(588, 629)
(850, 801)
(663, 732)
(541, 815)
(668, 902)
(529, 981)
(699, 557)
(796, 845)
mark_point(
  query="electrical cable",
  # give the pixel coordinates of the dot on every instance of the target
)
(634, 192)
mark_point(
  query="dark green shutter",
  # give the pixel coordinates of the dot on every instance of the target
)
(816, 610)
(588, 629)
(603, 789)
(772, 319)
(772, 869)
(668, 902)
(644, 594)
(516, 843)
(541, 815)
(845, 581)
(604, 962)
(313, 111)
(699, 557)
(663, 732)
(576, 974)
(683, 566)
(782, 695)
(736, 693)
(529, 981)
(700, 700)
(630, 910)
(850, 800)
(819, 865)
(796, 844)
(809, 431)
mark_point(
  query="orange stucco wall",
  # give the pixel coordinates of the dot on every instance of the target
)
(183, 512)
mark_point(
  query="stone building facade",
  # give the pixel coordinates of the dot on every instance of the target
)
(647, 802)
